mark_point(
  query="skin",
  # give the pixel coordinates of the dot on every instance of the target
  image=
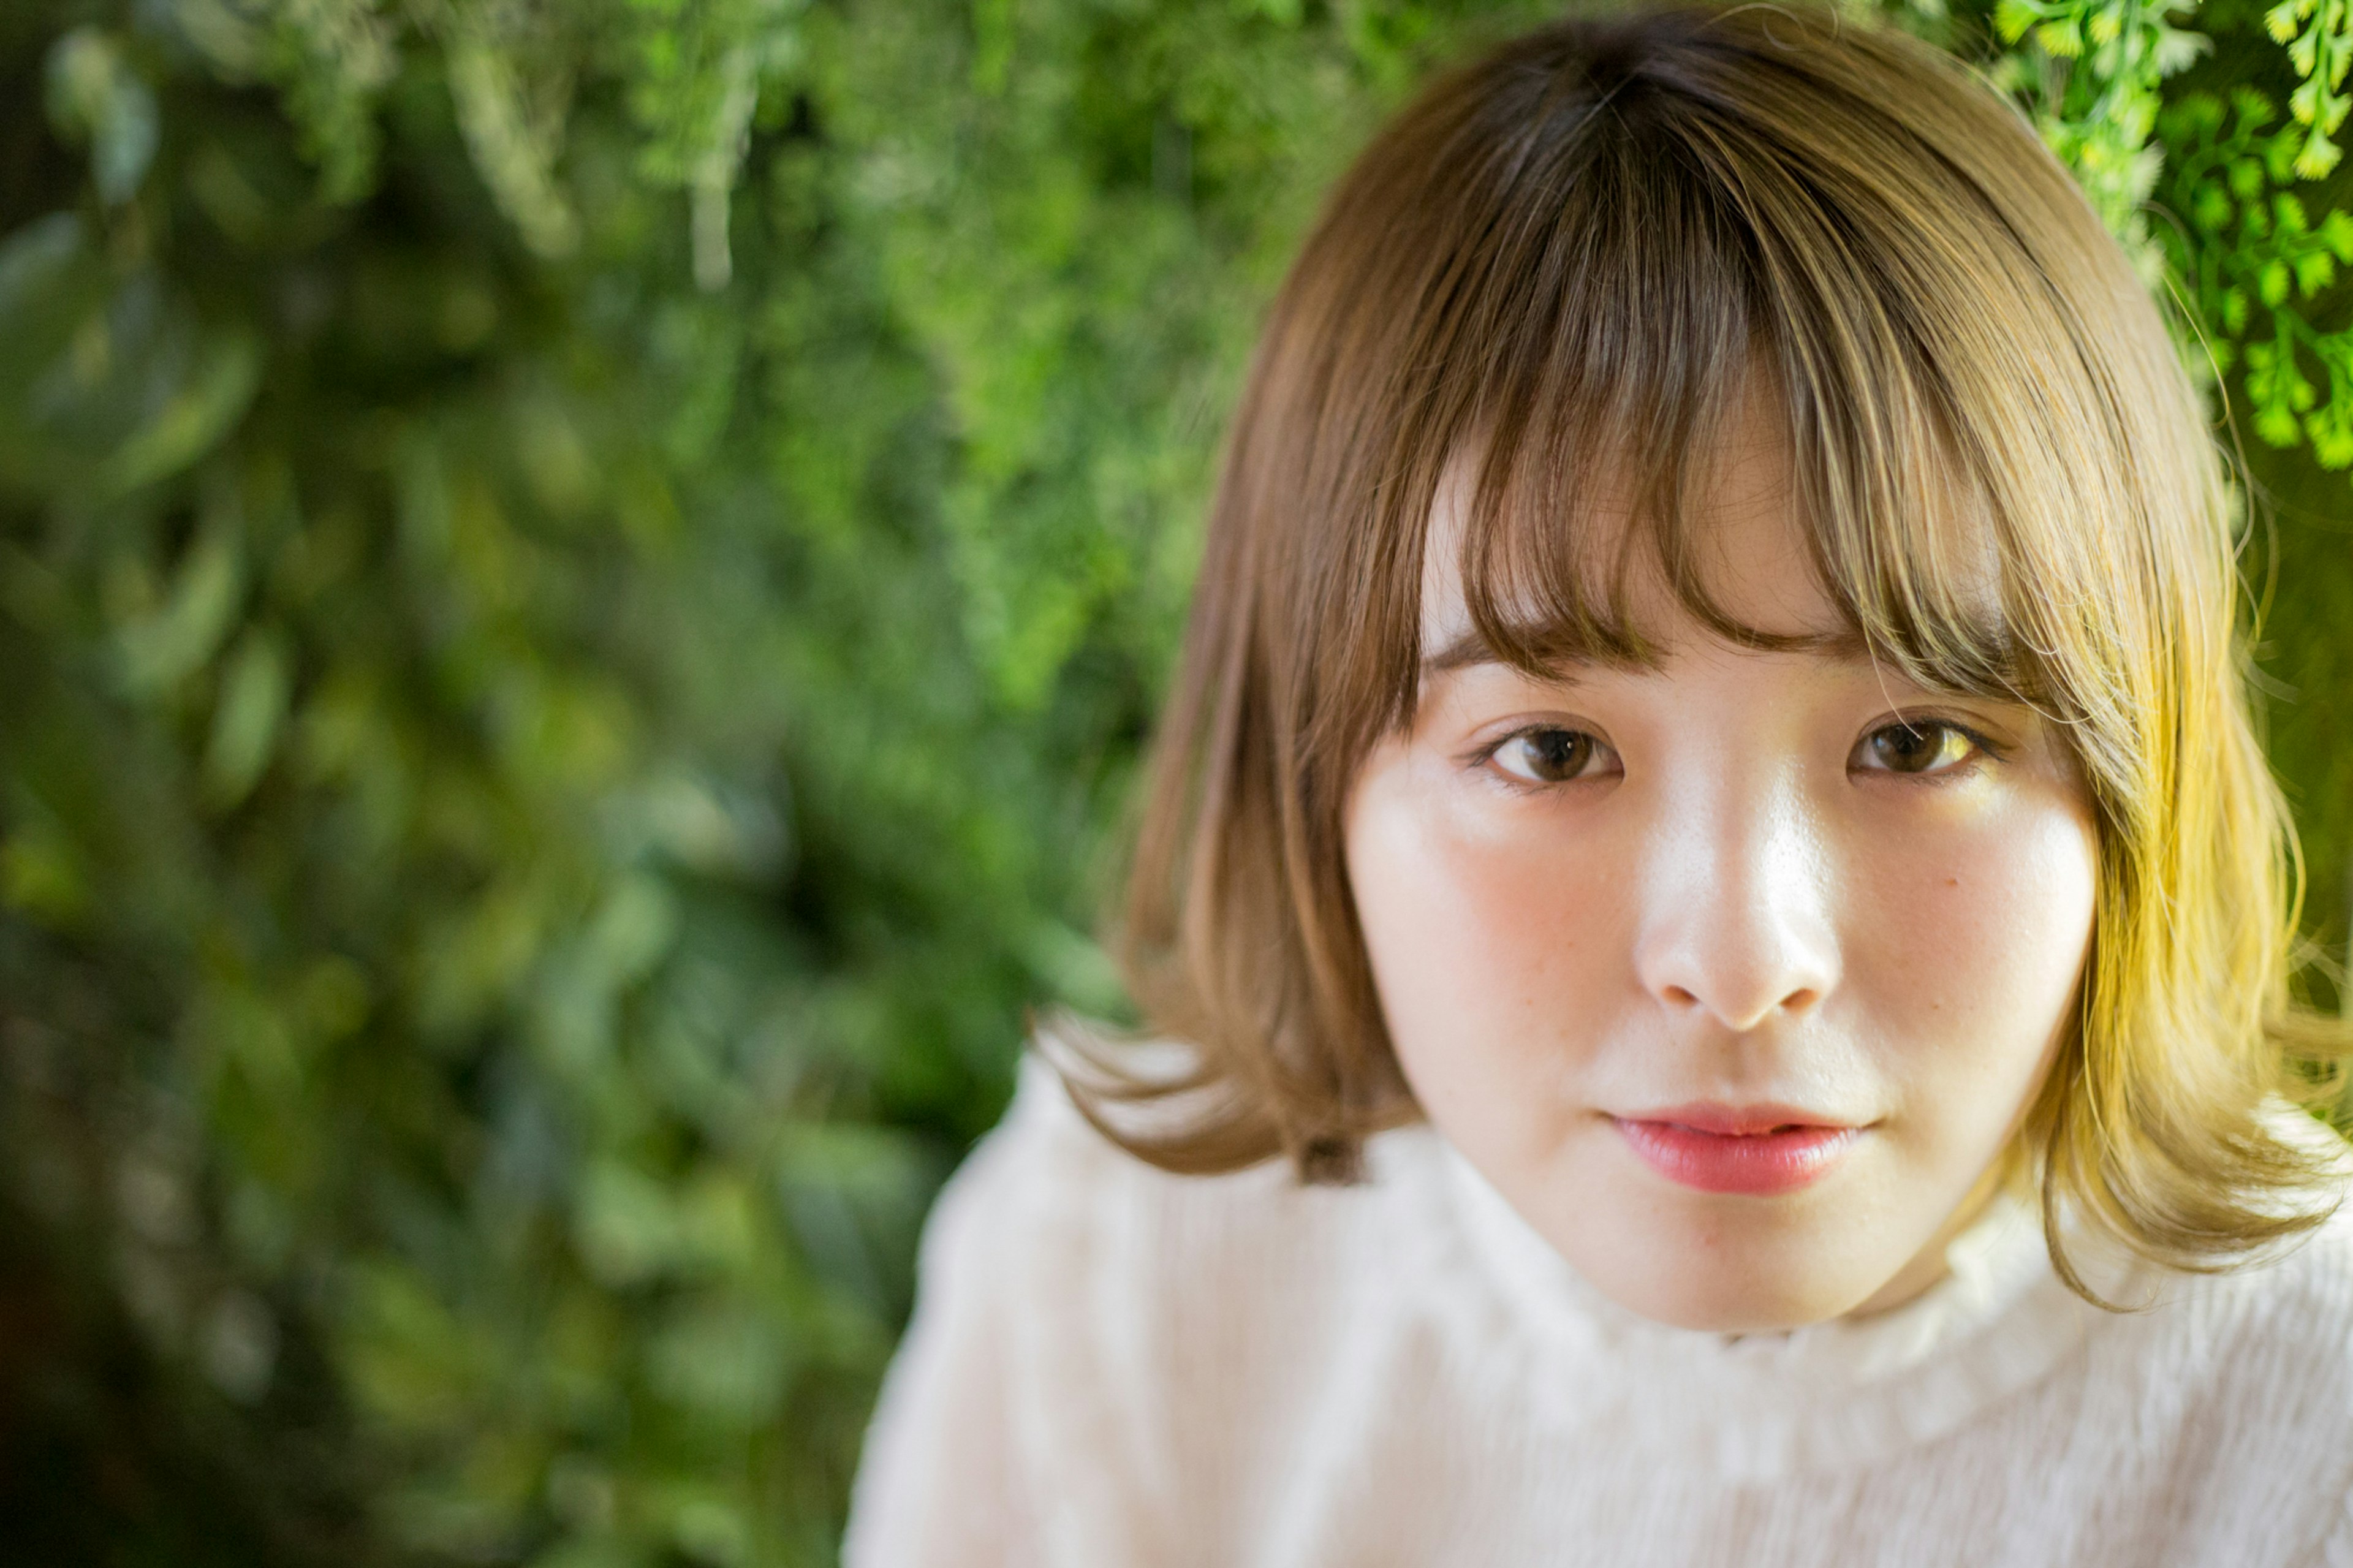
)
(1762, 876)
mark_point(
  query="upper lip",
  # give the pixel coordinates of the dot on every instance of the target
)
(1740, 1121)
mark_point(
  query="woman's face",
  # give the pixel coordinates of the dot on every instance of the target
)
(1735, 977)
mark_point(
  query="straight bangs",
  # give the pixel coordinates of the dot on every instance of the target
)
(1595, 450)
(1561, 278)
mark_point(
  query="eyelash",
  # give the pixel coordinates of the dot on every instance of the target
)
(1983, 748)
(1484, 757)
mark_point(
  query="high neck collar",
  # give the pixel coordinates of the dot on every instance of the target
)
(1754, 1406)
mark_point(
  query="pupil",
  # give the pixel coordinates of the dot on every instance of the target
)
(1559, 752)
(1907, 748)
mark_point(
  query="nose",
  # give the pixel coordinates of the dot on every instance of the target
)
(1735, 892)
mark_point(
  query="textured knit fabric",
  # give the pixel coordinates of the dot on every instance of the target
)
(1114, 1367)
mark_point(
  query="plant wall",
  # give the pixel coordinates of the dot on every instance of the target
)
(580, 584)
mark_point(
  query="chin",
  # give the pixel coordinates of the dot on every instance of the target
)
(1696, 1285)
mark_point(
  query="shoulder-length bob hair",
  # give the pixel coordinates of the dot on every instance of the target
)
(1573, 255)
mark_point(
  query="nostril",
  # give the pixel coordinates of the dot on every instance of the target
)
(1683, 999)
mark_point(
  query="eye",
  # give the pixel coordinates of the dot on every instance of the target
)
(1920, 746)
(1550, 755)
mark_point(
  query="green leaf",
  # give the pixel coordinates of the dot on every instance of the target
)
(2176, 50)
(2336, 233)
(2303, 103)
(95, 98)
(2210, 208)
(2064, 38)
(2012, 18)
(157, 650)
(195, 419)
(254, 688)
(2280, 152)
(44, 874)
(2272, 283)
(2332, 438)
(2319, 156)
(2195, 116)
(624, 1225)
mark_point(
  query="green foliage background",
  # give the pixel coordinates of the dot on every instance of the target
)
(580, 582)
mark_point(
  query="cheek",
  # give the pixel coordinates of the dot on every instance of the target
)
(1964, 950)
(1480, 938)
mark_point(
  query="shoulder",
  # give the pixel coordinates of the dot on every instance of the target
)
(1079, 1318)
(2292, 1310)
(2292, 1304)
(1144, 1326)
(2256, 1360)
(1084, 1241)
(1067, 1201)
(2237, 1389)
(1186, 1293)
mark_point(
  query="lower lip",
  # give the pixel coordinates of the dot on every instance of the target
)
(1756, 1163)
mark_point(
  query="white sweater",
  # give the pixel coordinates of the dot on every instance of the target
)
(1113, 1367)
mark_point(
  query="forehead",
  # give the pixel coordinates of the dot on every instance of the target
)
(1742, 547)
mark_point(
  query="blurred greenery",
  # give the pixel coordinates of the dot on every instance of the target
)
(580, 583)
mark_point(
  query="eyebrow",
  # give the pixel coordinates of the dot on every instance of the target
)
(1843, 647)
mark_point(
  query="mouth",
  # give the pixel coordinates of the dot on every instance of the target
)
(1758, 1150)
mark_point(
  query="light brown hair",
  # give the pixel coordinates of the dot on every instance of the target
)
(1570, 256)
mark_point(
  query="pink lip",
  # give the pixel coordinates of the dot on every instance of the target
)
(1757, 1150)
